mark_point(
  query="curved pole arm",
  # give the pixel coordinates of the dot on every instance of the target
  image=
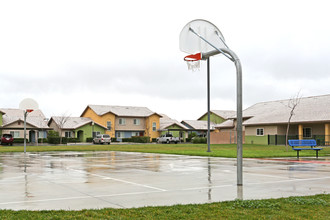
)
(239, 127)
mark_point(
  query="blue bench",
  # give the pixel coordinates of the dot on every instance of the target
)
(302, 144)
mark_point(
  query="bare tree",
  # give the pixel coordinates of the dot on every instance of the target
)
(61, 120)
(292, 104)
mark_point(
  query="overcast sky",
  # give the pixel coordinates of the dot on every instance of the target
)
(71, 53)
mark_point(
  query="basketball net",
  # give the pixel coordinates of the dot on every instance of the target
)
(193, 61)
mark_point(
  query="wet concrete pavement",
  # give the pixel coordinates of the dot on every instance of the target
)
(86, 180)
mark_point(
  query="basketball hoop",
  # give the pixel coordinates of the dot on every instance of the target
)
(193, 61)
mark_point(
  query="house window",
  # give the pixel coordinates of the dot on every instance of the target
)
(154, 126)
(121, 134)
(41, 134)
(95, 133)
(68, 134)
(135, 133)
(109, 125)
(15, 134)
(307, 132)
(122, 121)
(260, 132)
(136, 121)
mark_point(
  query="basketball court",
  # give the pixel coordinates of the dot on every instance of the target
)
(93, 180)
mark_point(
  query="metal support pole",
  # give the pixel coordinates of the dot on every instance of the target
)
(208, 105)
(239, 123)
(239, 113)
(25, 114)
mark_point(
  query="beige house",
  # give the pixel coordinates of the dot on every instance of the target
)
(13, 123)
(266, 122)
(311, 120)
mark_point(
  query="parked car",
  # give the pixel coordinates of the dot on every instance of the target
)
(102, 139)
(7, 139)
(168, 138)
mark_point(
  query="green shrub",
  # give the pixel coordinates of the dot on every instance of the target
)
(140, 139)
(53, 134)
(154, 140)
(114, 139)
(137, 139)
(89, 139)
(20, 140)
(42, 140)
(54, 140)
(199, 140)
(71, 140)
(126, 139)
(191, 135)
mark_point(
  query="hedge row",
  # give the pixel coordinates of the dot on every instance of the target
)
(199, 140)
(137, 139)
(56, 140)
(20, 140)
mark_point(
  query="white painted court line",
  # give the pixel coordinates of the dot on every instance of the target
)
(77, 197)
(290, 180)
(265, 175)
(205, 187)
(248, 184)
(119, 180)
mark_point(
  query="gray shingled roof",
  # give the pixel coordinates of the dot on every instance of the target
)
(225, 114)
(73, 122)
(166, 121)
(35, 118)
(198, 125)
(128, 111)
(226, 124)
(309, 109)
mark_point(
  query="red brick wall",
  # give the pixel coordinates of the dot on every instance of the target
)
(224, 137)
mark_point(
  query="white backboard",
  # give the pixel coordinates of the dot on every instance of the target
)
(191, 43)
(28, 104)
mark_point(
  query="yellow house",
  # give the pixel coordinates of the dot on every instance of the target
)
(125, 121)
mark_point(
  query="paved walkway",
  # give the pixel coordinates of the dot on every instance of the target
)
(86, 180)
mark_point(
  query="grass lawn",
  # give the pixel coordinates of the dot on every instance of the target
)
(308, 207)
(249, 150)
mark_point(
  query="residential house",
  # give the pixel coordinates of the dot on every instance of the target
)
(13, 123)
(1, 121)
(218, 116)
(199, 127)
(169, 125)
(76, 127)
(266, 122)
(125, 121)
